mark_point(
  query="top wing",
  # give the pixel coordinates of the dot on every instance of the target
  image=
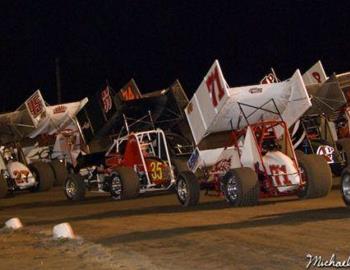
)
(215, 107)
(326, 92)
(166, 107)
(34, 117)
(18, 124)
(344, 83)
(58, 117)
(327, 98)
(129, 91)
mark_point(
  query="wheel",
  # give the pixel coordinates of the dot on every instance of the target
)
(187, 189)
(60, 172)
(43, 175)
(74, 187)
(125, 184)
(345, 185)
(317, 175)
(3, 186)
(299, 154)
(241, 187)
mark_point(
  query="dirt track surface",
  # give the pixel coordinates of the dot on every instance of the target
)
(155, 232)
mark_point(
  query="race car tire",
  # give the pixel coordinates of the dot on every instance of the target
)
(43, 175)
(129, 181)
(187, 189)
(3, 187)
(60, 172)
(241, 187)
(74, 187)
(345, 185)
(317, 175)
(299, 154)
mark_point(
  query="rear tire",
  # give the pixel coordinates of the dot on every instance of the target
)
(317, 174)
(187, 189)
(60, 172)
(345, 185)
(43, 175)
(3, 187)
(241, 187)
(129, 181)
(74, 187)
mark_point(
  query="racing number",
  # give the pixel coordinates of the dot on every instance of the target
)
(128, 94)
(156, 170)
(316, 76)
(276, 170)
(217, 92)
(327, 152)
(18, 175)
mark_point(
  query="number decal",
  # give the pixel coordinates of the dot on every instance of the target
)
(215, 87)
(106, 100)
(327, 152)
(276, 170)
(156, 170)
(128, 94)
(316, 76)
(21, 176)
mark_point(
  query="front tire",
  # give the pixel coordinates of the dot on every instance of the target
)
(187, 189)
(43, 175)
(74, 187)
(125, 184)
(241, 187)
(60, 172)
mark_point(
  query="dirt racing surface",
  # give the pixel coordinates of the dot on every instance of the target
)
(155, 232)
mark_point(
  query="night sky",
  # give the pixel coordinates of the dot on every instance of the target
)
(156, 42)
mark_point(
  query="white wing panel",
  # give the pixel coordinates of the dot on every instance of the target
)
(258, 102)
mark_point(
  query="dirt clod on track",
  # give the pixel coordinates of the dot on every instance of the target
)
(155, 232)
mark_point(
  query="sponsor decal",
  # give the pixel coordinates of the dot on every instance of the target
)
(255, 90)
(326, 151)
(59, 109)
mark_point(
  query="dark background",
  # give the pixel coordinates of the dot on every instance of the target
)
(158, 41)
